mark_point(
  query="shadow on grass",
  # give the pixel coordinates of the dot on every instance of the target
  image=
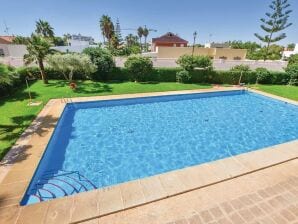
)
(57, 83)
(15, 130)
(18, 94)
(92, 88)
(149, 82)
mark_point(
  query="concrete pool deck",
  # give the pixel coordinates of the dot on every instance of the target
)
(20, 163)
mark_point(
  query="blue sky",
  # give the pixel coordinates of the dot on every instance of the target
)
(224, 19)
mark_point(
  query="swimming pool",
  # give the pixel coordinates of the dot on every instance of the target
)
(102, 143)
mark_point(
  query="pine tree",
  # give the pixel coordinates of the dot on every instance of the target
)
(276, 21)
(118, 31)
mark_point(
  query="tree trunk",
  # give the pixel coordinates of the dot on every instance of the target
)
(141, 44)
(145, 44)
(70, 76)
(267, 48)
(42, 72)
(104, 39)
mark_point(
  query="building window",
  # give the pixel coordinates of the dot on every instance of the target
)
(237, 58)
(1, 53)
(174, 45)
(223, 57)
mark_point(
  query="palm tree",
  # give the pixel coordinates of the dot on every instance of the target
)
(107, 28)
(145, 34)
(131, 40)
(44, 28)
(38, 48)
(140, 34)
(66, 37)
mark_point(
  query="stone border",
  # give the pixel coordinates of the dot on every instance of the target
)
(274, 96)
(23, 159)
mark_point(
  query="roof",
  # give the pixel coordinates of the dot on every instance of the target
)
(169, 38)
(6, 39)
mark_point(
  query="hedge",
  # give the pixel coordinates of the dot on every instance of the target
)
(169, 75)
(202, 76)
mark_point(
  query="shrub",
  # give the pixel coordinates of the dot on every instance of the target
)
(183, 76)
(139, 67)
(239, 74)
(282, 78)
(9, 79)
(6, 80)
(240, 68)
(263, 76)
(32, 71)
(189, 63)
(69, 64)
(103, 60)
(125, 51)
(293, 59)
(292, 70)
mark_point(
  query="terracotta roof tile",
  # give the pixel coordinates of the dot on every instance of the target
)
(7, 39)
(169, 38)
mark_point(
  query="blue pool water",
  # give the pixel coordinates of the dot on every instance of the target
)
(97, 144)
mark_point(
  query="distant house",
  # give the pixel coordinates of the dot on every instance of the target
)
(79, 40)
(76, 43)
(6, 39)
(9, 49)
(287, 54)
(168, 40)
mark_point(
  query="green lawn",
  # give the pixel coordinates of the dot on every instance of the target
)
(290, 92)
(15, 115)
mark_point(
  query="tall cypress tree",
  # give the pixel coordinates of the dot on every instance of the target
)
(276, 21)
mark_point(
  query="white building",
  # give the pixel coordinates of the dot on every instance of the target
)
(79, 40)
(287, 54)
(76, 43)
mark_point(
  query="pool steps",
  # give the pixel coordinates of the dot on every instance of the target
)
(54, 184)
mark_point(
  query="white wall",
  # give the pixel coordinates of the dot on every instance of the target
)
(78, 43)
(13, 50)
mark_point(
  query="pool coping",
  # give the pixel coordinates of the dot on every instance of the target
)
(21, 162)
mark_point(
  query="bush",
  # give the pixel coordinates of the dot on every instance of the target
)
(240, 68)
(240, 74)
(139, 68)
(9, 79)
(125, 51)
(183, 76)
(281, 78)
(293, 59)
(189, 63)
(103, 60)
(165, 74)
(70, 64)
(292, 70)
(263, 76)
